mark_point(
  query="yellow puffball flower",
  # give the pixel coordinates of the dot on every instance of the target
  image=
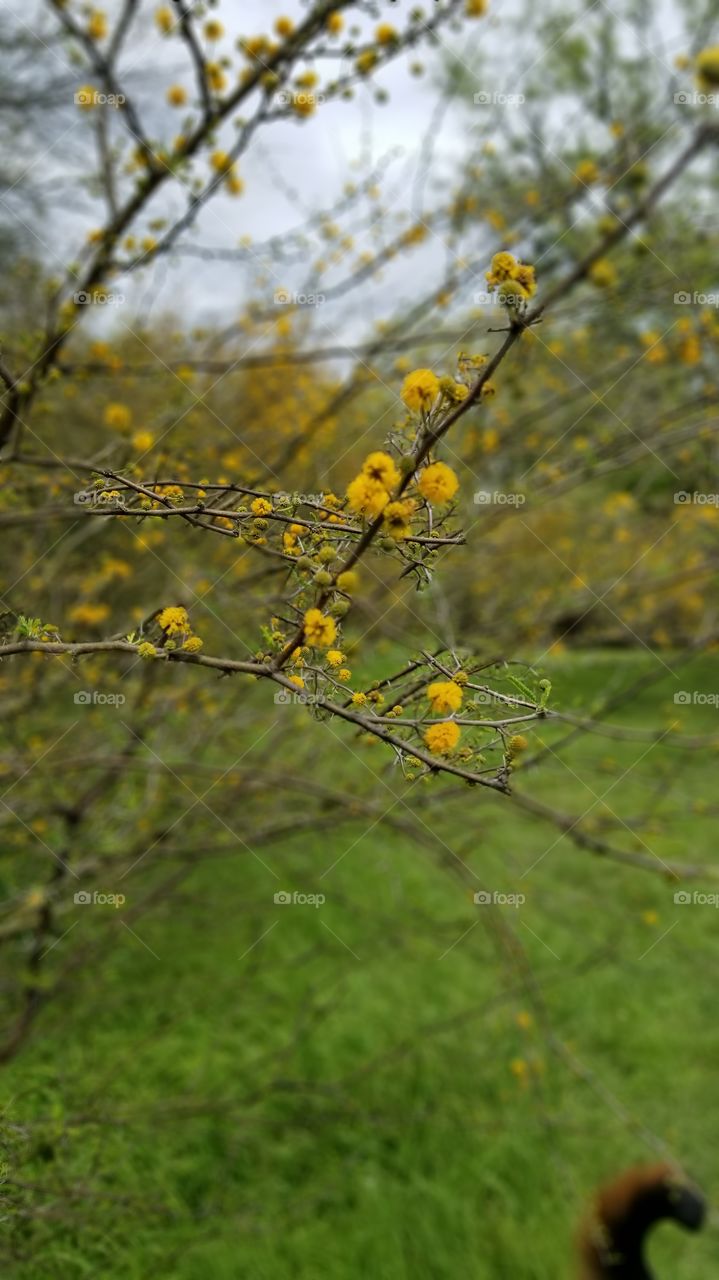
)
(165, 19)
(366, 496)
(146, 650)
(438, 483)
(261, 507)
(442, 738)
(97, 25)
(193, 644)
(335, 23)
(445, 696)
(214, 30)
(284, 27)
(366, 62)
(220, 161)
(396, 517)
(348, 581)
(381, 468)
(176, 95)
(517, 743)
(143, 440)
(173, 620)
(475, 8)
(304, 104)
(216, 77)
(344, 674)
(587, 172)
(707, 65)
(502, 268)
(420, 389)
(320, 629)
(335, 657)
(234, 184)
(603, 273)
(117, 416)
(359, 699)
(385, 33)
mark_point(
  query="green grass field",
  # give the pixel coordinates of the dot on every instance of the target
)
(397, 1083)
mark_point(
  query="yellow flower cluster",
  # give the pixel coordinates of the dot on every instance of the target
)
(514, 280)
(420, 390)
(442, 738)
(174, 620)
(369, 492)
(445, 697)
(438, 483)
(320, 630)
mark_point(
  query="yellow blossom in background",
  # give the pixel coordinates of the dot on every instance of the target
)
(438, 483)
(385, 33)
(707, 65)
(348, 581)
(176, 95)
(442, 738)
(420, 390)
(366, 61)
(476, 8)
(117, 416)
(214, 30)
(97, 25)
(165, 19)
(284, 27)
(143, 440)
(216, 77)
(335, 23)
(344, 674)
(297, 681)
(587, 172)
(603, 273)
(445, 696)
(381, 468)
(89, 614)
(320, 630)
